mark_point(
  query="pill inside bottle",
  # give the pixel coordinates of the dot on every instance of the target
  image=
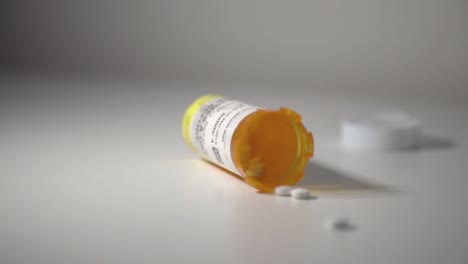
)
(265, 148)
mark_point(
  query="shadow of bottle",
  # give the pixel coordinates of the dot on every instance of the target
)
(321, 178)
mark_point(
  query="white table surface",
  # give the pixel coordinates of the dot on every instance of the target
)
(96, 172)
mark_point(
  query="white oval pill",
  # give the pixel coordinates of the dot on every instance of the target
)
(283, 190)
(301, 193)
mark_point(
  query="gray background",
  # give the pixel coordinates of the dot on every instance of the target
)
(402, 47)
(93, 168)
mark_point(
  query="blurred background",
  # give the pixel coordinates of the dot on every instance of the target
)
(409, 48)
(93, 168)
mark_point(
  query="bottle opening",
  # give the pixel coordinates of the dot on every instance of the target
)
(273, 148)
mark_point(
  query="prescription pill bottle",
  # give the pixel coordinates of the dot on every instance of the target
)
(265, 148)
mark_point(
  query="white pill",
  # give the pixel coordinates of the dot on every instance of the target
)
(301, 193)
(283, 190)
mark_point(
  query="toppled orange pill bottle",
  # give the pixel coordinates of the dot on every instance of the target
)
(266, 148)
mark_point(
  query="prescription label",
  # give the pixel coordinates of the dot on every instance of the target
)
(211, 127)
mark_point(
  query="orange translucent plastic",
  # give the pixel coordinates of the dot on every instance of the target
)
(271, 148)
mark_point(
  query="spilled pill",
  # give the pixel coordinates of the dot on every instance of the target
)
(340, 224)
(301, 193)
(283, 190)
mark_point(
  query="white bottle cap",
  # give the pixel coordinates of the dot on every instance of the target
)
(381, 131)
